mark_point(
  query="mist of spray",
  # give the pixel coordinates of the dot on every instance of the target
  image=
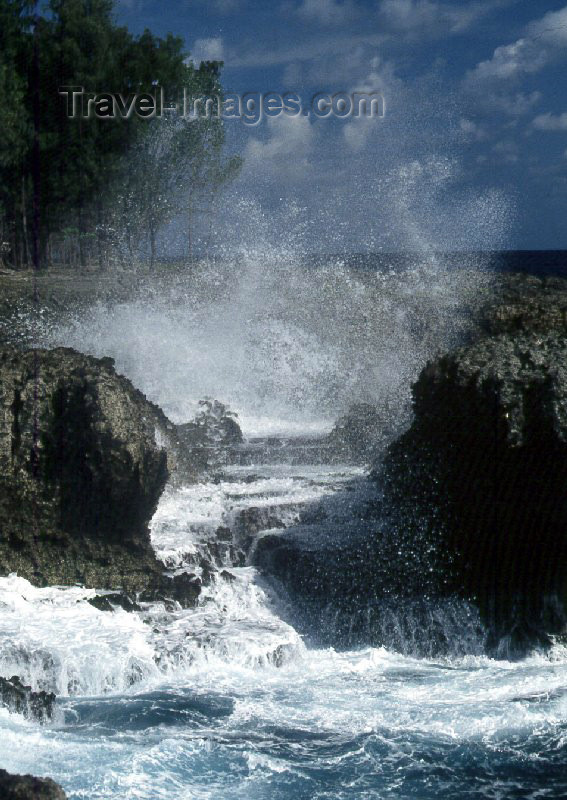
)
(288, 344)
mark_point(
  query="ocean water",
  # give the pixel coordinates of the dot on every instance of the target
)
(237, 698)
(229, 700)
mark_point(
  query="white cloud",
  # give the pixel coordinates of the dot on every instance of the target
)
(550, 122)
(513, 104)
(434, 18)
(472, 130)
(326, 12)
(210, 49)
(511, 61)
(507, 151)
(285, 151)
(551, 28)
(309, 50)
(494, 83)
(545, 41)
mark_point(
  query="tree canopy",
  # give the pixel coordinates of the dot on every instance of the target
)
(83, 190)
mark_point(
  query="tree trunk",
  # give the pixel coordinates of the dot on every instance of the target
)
(152, 247)
(100, 236)
(36, 155)
(26, 242)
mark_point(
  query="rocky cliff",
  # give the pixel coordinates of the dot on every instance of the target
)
(482, 472)
(83, 463)
(26, 787)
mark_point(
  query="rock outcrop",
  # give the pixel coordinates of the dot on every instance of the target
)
(481, 475)
(203, 444)
(526, 303)
(360, 434)
(21, 699)
(83, 462)
(26, 787)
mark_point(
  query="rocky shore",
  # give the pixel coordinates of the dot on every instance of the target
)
(21, 699)
(84, 458)
(469, 501)
(465, 530)
(81, 471)
(482, 471)
(26, 787)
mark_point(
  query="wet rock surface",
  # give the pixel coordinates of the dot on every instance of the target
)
(360, 434)
(482, 471)
(21, 699)
(202, 445)
(82, 466)
(526, 303)
(26, 787)
(114, 600)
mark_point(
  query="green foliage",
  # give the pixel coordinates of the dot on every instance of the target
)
(99, 177)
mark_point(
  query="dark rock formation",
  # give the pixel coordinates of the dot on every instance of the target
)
(21, 699)
(114, 600)
(82, 466)
(481, 474)
(362, 432)
(203, 443)
(184, 588)
(26, 787)
(526, 303)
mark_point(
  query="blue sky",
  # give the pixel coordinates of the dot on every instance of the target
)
(472, 151)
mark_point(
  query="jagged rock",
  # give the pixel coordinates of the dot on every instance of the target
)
(362, 432)
(82, 466)
(22, 700)
(251, 520)
(202, 444)
(183, 589)
(482, 474)
(26, 787)
(527, 303)
(110, 602)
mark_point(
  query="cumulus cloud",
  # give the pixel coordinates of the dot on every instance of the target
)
(472, 130)
(495, 83)
(551, 28)
(545, 41)
(325, 12)
(550, 122)
(210, 49)
(434, 18)
(511, 61)
(513, 104)
(285, 149)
